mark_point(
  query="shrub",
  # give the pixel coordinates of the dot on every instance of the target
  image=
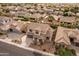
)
(62, 51)
(65, 14)
(54, 26)
(24, 18)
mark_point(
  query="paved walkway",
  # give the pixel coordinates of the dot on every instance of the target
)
(26, 41)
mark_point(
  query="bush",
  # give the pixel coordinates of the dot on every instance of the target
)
(77, 26)
(24, 18)
(50, 18)
(2, 33)
(65, 14)
(68, 25)
(54, 26)
(62, 51)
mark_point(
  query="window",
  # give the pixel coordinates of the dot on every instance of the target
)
(76, 44)
(37, 32)
(30, 36)
(68, 23)
(30, 30)
(23, 32)
(11, 30)
(44, 49)
(47, 38)
(9, 19)
(6, 21)
(35, 38)
(71, 39)
(41, 42)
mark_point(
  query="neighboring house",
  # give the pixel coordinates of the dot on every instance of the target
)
(18, 26)
(56, 17)
(8, 24)
(40, 11)
(4, 28)
(49, 11)
(11, 7)
(5, 23)
(32, 11)
(18, 8)
(39, 33)
(18, 13)
(5, 20)
(68, 20)
(17, 18)
(51, 19)
(55, 12)
(61, 37)
(35, 17)
(67, 36)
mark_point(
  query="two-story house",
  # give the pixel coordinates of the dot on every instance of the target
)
(39, 33)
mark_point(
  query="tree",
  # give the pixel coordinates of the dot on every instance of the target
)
(74, 9)
(54, 26)
(66, 10)
(24, 18)
(50, 18)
